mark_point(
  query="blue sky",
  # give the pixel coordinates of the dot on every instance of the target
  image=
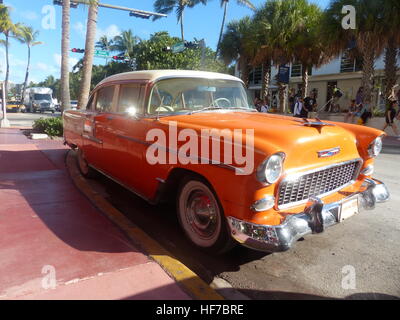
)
(200, 22)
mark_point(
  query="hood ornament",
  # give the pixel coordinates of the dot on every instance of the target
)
(328, 153)
(316, 123)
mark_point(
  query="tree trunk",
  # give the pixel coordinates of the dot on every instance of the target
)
(222, 28)
(65, 94)
(88, 57)
(390, 69)
(26, 74)
(244, 67)
(182, 33)
(282, 97)
(368, 53)
(304, 89)
(266, 78)
(7, 66)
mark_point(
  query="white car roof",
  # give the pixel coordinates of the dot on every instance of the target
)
(154, 75)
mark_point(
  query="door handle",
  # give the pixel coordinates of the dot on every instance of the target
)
(110, 118)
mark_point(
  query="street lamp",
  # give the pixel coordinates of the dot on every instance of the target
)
(4, 123)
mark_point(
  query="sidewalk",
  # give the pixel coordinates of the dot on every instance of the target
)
(51, 234)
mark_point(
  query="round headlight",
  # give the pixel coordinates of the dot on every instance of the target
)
(375, 147)
(271, 169)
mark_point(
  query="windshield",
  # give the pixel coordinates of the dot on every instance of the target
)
(188, 95)
(41, 96)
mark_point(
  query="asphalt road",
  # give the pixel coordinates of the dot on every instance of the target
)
(319, 266)
(27, 119)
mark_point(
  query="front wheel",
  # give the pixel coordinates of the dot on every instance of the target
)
(84, 167)
(201, 217)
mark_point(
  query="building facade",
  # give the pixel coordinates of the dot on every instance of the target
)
(343, 72)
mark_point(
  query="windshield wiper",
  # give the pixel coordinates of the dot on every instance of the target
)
(207, 108)
(243, 108)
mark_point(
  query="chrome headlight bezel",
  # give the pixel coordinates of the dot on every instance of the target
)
(375, 147)
(271, 169)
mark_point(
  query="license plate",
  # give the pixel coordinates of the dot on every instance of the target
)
(349, 209)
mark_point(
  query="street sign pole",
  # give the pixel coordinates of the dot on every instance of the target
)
(4, 123)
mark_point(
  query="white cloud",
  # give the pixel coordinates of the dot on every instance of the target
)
(45, 67)
(80, 28)
(71, 63)
(29, 15)
(111, 31)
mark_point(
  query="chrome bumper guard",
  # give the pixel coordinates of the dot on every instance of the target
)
(316, 217)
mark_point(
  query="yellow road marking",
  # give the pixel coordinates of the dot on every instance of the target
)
(186, 278)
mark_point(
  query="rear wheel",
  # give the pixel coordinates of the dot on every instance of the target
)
(84, 167)
(201, 216)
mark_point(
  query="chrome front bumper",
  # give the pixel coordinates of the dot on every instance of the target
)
(316, 217)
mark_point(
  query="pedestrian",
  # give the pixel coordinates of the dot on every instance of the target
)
(292, 100)
(359, 96)
(350, 115)
(310, 103)
(390, 115)
(299, 109)
(365, 115)
(257, 104)
(265, 108)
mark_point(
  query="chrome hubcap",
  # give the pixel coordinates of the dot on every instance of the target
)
(82, 162)
(202, 214)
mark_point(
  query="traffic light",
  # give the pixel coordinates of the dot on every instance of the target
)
(78, 50)
(60, 3)
(166, 49)
(139, 15)
(119, 58)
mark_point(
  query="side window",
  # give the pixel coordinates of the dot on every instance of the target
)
(105, 99)
(129, 97)
(90, 105)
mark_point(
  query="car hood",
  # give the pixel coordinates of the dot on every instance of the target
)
(274, 133)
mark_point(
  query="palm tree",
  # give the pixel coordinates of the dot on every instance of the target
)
(288, 31)
(104, 43)
(238, 45)
(8, 29)
(89, 53)
(65, 93)
(125, 43)
(28, 36)
(224, 4)
(167, 6)
(392, 20)
(370, 36)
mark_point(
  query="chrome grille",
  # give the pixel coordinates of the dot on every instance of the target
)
(299, 188)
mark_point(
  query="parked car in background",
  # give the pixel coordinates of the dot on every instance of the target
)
(15, 106)
(74, 104)
(171, 135)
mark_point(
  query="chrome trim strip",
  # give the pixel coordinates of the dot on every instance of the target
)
(121, 184)
(300, 174)
(93, 139)
(134, 140)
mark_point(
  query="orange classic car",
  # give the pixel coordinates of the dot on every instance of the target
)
(236, 175)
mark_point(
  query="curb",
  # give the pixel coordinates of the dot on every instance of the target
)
(185, 278)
